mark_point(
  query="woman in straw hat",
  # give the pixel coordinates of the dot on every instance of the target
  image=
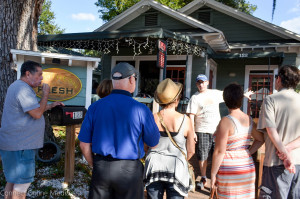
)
(166, 167)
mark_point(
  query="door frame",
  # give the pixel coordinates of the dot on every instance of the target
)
(211, 65)
(248, 69)
(138, 59)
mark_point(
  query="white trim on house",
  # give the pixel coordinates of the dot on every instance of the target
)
(88, 90)
(248, 69)
(138, 59)
(293, 48)
(211, 65)
(298, 61)
(259, 23)
(55, 55)
(189, 68)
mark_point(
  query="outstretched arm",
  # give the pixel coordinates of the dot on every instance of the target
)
(248, 93)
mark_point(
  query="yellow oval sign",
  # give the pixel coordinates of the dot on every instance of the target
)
(63, 84)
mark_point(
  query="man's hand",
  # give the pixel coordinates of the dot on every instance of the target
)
(287, 162)
(46, 89)
(289, 166)
(248, 93)
(195, 138)
(54, 104)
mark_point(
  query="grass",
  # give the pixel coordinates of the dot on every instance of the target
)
(49, 178)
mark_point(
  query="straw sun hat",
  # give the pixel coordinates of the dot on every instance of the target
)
(167, 91)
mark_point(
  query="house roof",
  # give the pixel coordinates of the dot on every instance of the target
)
(94, 37)
(259, 23)
(214, 37)
(111, 40)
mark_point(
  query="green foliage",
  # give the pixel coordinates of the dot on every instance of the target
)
(46, 24)
(92, 53)
(241, 5)
(111, 8)
(298, 88)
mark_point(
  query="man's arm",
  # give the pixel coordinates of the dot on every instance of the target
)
(288, 163)
(38, 112)
(86, 149)
(289, 147)
(293, 144)
(192, 117)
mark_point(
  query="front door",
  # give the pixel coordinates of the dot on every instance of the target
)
(261, 85)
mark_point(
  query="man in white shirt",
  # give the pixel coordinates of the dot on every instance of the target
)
(203, 109)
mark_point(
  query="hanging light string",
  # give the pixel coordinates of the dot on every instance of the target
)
(138, 45)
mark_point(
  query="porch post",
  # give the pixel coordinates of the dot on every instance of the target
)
(298, 60)
(188, 78)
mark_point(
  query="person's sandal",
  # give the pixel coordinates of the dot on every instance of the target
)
(200, 185)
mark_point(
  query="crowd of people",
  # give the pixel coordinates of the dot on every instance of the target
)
(118, 131)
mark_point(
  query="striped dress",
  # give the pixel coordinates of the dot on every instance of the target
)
(236, 176)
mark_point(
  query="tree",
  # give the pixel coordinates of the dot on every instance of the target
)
(112, 8)
(18, 30)
(241, 5)
(46, 24)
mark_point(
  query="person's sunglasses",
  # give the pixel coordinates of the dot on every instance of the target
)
(276, 76)
(135, 77)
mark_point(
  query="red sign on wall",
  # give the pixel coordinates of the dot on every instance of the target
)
(162, 54)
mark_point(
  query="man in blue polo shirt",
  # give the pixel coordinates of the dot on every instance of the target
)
(112, 139)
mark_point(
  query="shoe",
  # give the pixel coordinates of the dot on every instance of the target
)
(200, 185)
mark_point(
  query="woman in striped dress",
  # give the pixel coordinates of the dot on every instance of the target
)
(233, 169)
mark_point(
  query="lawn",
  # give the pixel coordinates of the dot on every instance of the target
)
(49, 178)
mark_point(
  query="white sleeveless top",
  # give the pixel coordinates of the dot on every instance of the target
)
(166, 162)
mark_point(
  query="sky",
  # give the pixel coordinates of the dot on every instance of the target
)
(82, 15)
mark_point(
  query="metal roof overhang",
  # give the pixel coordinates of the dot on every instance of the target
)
(63, 40)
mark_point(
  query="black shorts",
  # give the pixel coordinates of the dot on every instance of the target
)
(204, 146)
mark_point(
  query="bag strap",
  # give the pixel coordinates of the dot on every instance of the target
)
(169, 135)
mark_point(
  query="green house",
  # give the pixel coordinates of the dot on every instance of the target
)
(205, 37)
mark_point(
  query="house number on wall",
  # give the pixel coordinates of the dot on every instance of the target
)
(244, 55)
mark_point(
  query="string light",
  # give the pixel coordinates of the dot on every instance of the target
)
(138, 45)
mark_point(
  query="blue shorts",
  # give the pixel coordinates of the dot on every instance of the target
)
(18, 166)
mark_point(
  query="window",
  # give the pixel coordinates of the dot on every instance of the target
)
(177, 74)
(151, 19)
(262, 86)
(204, 16)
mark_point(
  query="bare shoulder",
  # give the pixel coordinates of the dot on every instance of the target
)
(225, 125)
